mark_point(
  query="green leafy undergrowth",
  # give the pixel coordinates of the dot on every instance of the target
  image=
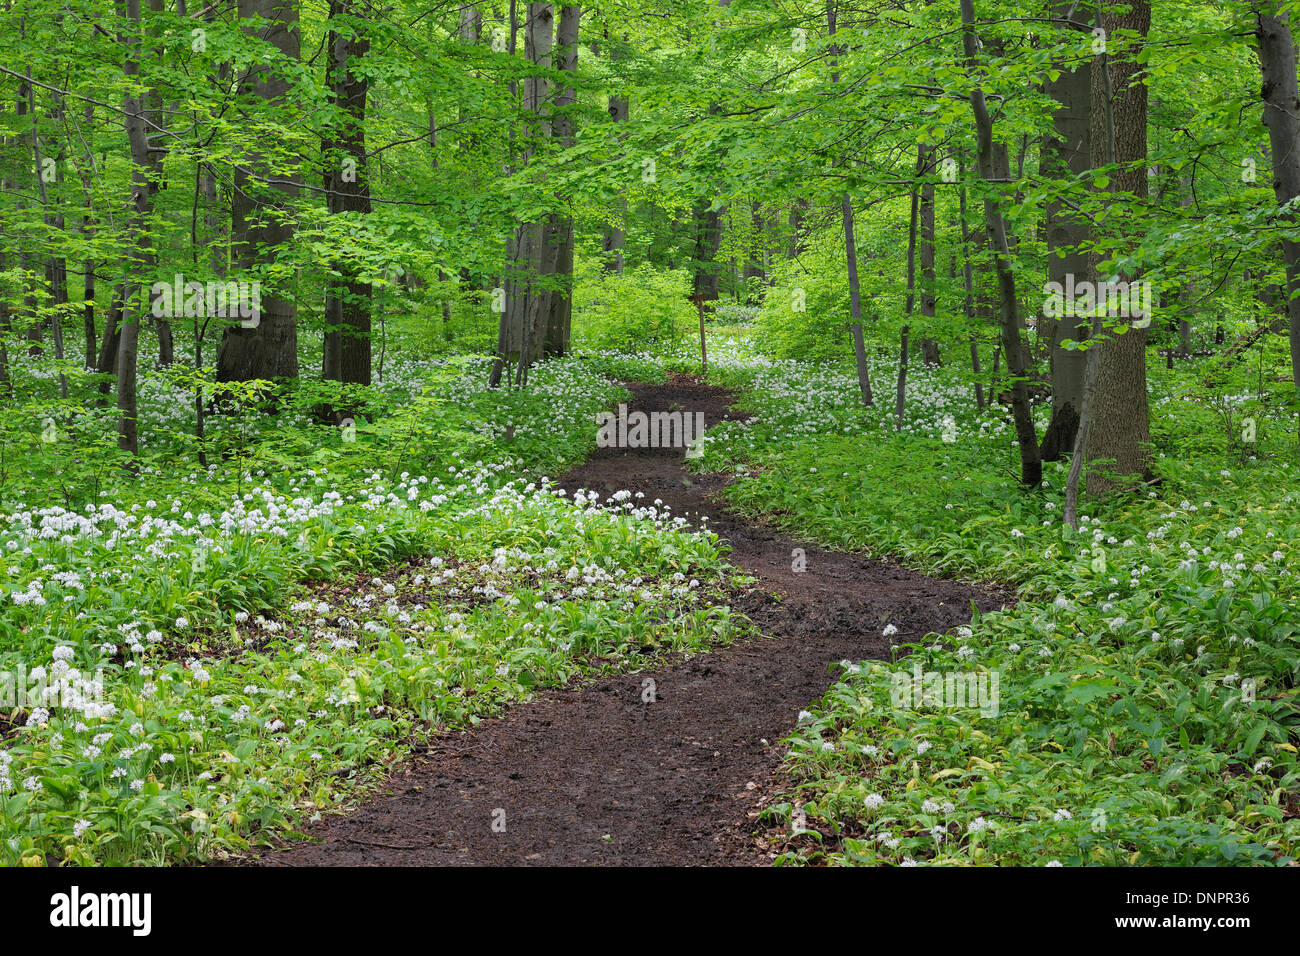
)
(1146, 705)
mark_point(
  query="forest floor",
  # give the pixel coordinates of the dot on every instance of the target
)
(597, 774)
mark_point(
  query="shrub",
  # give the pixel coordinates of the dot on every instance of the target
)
(632, 311)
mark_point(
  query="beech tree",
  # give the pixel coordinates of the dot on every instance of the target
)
(1277, 64)
(262, 213)
(1120, 432)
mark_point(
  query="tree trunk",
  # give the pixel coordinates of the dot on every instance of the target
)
(532, 265)
(851, 252)
(796, 240)
(156, 118)
(1187, 298)
(347, 346)
(929, 302)
(510, 321)
(1277, 64)
(1120, 428)
(1031, 468)
(268, 349)
(559, 317)
(755, 262)
(614, 235)
(968, 283)
(56, 267)
(141, 256)
(1066, 153)
(708, 239)
(900, 395)
(88, 298)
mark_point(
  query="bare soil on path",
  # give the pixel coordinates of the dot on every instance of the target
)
(591, 774)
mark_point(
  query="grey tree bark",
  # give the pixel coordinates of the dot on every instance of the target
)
(559, 316)
(968, 283)
(1066, 152)
(925, 225)
(260, 221)
(534, 251)
(1031, 467)
(1277, 64)
(1120, 429)
(140, 246)
(851, 254)
(347, 345)
(614, 235)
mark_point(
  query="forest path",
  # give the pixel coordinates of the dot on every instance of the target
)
(591, 774)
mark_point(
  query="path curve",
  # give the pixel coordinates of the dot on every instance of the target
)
(589, 774)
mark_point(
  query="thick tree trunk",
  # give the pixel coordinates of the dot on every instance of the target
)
(1065, 153)
(268, 350)
(469, 23)
(1277, 63)
(1120, 427)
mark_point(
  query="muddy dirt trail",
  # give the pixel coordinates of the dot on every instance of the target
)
(592, 775)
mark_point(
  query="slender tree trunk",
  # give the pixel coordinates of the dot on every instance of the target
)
(968, 283)
(851, 253)
(755, 262)
(614, 235)
(347, 346)
(1031, 468)
(34, 321)
(155, 117)
(929, 302)
(143, 186)
(708, 234)
(1066, 153)
(796, 240)
(56, 268)
(1187, 298)
(510, 322)
(900, 396)
(909, 304)
(88, 297)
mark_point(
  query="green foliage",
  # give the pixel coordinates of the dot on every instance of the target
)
(805, 314)
(641, 309)
(269, 641)
(1147, 709)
